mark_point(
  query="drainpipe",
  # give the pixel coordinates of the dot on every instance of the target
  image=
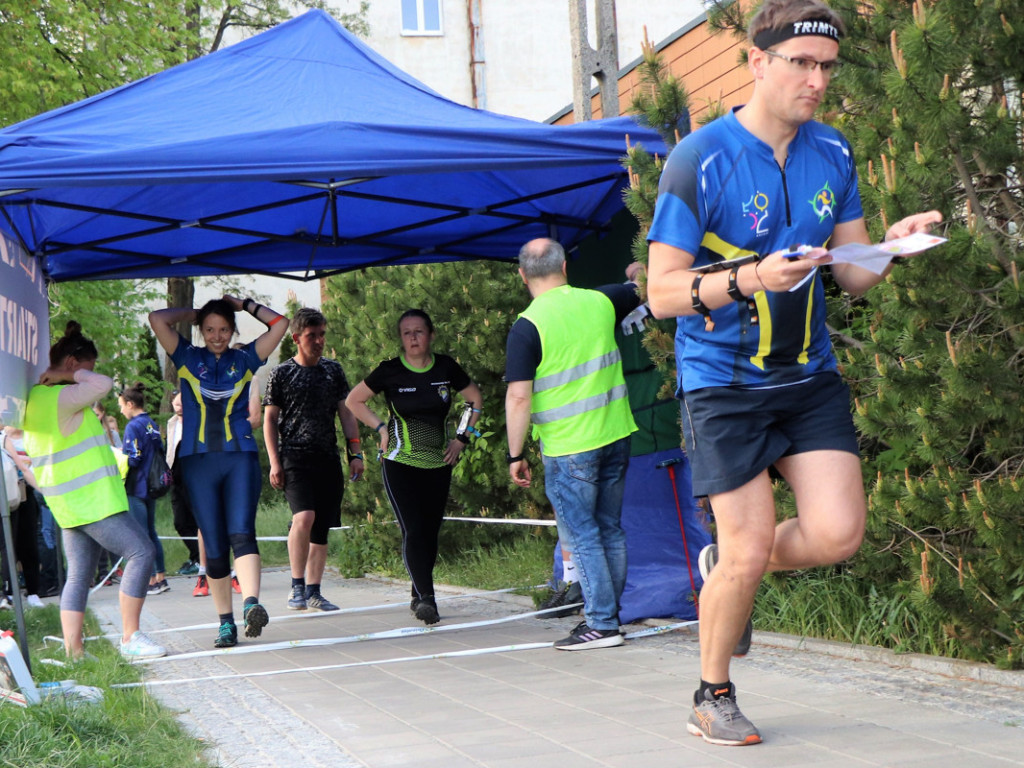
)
(477, 63)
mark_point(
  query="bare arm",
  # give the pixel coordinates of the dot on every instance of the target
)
(255, 407)
(356, 402)
(162, 321)
(517, 422)
(350, 429)
(270, 438)
(277, 324)
(669, 279)
(471, 393)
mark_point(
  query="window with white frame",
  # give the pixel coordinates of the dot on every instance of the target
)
(421, 17)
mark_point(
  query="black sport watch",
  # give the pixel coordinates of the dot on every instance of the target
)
(513, 459)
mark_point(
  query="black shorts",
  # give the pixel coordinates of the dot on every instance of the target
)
(316, 482)
(733, 434)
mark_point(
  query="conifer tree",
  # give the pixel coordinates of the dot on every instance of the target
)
(929, 96)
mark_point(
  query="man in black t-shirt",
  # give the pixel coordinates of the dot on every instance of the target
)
(303, 396)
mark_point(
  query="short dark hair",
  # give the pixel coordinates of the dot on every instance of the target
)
(415, 313)
(307, 318)
(217, 307)
(72, 344)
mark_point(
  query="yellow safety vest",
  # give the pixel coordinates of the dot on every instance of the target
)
(77, 474)
(579, 398)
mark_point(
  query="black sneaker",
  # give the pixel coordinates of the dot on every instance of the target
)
(719, 721)
(707, 560)
(227, 637)
(426, 611)
(583, 638)
(189, 568)
(256, 619)
(567, 595)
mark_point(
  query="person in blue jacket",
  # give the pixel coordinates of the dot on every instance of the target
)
(140, 444)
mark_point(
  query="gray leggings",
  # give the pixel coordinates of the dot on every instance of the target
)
(123, 536)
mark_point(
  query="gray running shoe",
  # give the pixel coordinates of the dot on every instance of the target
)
(719, 721)
(707, 560)
(318, 602)
(297, 601)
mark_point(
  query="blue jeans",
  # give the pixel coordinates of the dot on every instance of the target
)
(144, 512)
(586, 491)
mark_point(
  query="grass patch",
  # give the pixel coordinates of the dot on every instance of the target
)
(128, 728)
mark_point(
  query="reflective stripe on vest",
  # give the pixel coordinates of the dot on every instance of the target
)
(579, 399)
(77, 473)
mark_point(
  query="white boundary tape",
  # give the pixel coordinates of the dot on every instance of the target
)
(317, 614)
(447, 655)
(322, 641)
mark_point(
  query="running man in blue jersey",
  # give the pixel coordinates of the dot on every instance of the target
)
(757, 375)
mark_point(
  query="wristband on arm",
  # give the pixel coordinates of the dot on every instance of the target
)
(700, 306)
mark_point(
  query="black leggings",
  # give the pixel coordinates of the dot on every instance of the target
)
(25, 529)
(418, 497)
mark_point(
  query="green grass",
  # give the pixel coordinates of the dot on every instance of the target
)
(127, 729)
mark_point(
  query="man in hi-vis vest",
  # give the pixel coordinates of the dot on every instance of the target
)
(564, 375)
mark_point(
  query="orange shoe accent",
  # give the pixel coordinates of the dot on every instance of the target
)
(202, 588)
(235, 585)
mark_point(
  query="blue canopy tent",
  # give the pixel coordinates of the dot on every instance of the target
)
(297, 150)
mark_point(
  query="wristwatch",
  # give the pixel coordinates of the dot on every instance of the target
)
(513, 459)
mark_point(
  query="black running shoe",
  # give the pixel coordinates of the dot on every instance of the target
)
(256, 619)
(583, 638)
(426, 611)
(568, 595)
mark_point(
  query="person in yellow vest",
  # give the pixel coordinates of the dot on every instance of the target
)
(564, 375)
(78, 476)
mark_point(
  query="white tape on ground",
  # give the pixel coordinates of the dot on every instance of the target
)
(401, 659)
(318, 614)
(322, 641)
(508, 520)
(266, 673)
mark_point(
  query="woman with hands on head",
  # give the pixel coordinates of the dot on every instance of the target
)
(77, 474)
(218, 453)
(417, 450)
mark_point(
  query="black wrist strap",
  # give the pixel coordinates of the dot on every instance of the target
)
(734, 290)
(700, 306)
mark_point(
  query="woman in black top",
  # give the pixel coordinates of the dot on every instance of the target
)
(417, 449)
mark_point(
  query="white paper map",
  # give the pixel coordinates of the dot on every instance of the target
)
(876, 258)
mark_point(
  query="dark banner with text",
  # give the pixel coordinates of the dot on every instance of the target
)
(24, 328)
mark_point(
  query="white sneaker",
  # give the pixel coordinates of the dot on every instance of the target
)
(5, 604)
(141, 646)
(34, 602)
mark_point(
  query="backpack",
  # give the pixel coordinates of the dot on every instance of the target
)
(158, 481)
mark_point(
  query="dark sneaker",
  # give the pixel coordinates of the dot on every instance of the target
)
(318, 602)
(426, 611)
(583, 638)
(188, 568)
(202, 588)
(297, 600)
(256, 618)
(568, 595)
(720, 721)
(158, 587)
(707, 560)
(412, 605)
(227, 637)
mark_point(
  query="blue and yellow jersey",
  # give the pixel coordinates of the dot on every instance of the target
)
(723, 196)
(215, 398)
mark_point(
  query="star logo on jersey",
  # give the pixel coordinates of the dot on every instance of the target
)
(822, 203)
(233, 371)
(756, 208)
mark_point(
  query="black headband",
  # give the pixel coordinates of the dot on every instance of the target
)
(767, 38)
